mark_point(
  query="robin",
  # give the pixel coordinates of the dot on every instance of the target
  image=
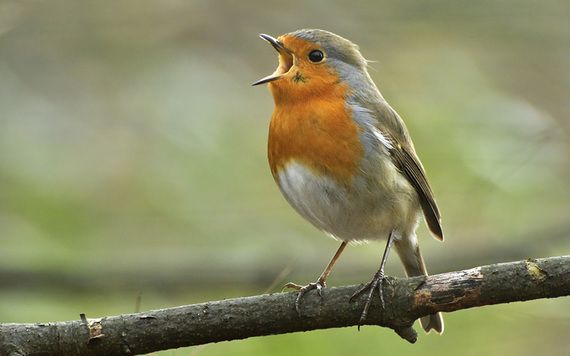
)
(343, 157)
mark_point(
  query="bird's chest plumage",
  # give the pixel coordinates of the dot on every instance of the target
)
(318, 160)
(320, 134)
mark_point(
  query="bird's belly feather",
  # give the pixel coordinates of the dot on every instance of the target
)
(367, 209)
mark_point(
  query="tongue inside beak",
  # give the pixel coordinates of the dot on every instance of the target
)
(285, 60)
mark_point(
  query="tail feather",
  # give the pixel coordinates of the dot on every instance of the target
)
(409, 252)
(432, 322)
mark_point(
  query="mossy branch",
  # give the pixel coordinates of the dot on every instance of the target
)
(406, 300)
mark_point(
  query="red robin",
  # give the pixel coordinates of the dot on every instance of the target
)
(343, 157)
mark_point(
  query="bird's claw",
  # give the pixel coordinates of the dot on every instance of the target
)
(376, 283)
(302, 290)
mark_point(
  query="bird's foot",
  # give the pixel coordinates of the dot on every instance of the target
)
(319, 285)
(376, 283)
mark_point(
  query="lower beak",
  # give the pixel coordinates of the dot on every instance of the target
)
(285, 60)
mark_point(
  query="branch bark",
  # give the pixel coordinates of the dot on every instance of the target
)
(406, 300)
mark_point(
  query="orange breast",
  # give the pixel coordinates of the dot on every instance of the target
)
(317, 131)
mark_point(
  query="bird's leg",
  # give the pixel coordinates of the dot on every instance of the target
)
(319, 284)
(377, 281)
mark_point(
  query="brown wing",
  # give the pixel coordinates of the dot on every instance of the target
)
(404, 157)
(408, 163)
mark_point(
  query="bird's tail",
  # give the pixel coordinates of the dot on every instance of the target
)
(409, 252)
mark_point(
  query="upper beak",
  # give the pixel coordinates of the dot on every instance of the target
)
(274, 42)
(285, 60)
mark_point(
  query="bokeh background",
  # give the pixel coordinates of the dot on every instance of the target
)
(133, 170)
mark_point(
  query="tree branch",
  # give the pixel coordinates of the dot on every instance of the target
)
(406, 300)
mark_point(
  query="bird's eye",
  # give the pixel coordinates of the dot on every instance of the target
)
(316, 56)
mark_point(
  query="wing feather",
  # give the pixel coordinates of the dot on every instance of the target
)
(412, 169)
(404, 157)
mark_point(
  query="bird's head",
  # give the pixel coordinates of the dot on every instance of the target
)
(314, 62)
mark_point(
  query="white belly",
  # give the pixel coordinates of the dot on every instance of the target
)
(370, 208)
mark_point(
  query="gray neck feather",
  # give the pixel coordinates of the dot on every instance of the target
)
(364, 91)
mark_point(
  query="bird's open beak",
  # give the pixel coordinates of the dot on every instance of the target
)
(285, 60)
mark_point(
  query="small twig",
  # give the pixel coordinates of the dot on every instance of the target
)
(279, 278)
(138, 302)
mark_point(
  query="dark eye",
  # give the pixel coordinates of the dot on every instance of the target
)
(316, 56)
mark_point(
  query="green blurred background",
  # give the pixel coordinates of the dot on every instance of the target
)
(133, 159)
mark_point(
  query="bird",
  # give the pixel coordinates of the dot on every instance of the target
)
(344, 159)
